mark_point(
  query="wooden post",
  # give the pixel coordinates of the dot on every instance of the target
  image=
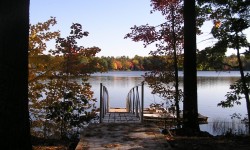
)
(133, 108)
(104, 106)
(136, 102)
(107, 101)
(128, 103)
(101, 109)
(142, 101)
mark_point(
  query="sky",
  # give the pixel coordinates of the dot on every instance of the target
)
(107, 21)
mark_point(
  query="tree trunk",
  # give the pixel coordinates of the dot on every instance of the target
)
(14, 114)
(245, 88)
(176, 76)
(190, 105)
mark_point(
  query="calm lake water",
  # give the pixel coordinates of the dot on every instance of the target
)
(212, 87)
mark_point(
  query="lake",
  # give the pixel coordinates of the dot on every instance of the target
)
(212, 87)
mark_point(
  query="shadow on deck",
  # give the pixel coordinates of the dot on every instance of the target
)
(122, 136)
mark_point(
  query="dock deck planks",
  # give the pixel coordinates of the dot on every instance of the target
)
(120, 117)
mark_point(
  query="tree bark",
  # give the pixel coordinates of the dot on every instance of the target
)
(14, 114)
(190, 104)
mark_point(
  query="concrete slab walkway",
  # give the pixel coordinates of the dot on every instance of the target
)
(119, 136)
(120, 117)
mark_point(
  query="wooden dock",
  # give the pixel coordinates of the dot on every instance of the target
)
(120, 115)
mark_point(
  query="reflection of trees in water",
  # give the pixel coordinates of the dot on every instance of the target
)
(127, 81)
(117, 81)
(206, 81)
(121, 83)
(228, 127)
(213, 81)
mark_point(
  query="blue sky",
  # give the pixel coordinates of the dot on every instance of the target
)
(107, 22)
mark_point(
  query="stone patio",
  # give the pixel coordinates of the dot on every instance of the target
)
(122, 136)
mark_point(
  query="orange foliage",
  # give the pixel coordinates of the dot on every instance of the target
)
(217, 23)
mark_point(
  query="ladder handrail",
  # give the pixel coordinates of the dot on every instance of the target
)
(135, 101)
(104, 101)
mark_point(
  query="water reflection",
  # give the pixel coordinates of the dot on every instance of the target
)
(215, 81)
(223, 127)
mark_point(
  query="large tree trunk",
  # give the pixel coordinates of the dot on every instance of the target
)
(190, 106)
(14, 115)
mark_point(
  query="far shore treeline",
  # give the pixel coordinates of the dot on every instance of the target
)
(147, 63)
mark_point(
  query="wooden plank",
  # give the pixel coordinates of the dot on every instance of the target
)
(117, 110)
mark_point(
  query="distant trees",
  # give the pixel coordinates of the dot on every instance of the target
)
(145, 63)
(205, 62)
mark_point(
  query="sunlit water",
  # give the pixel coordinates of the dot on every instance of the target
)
(212, 87)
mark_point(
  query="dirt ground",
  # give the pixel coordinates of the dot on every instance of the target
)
(56, 144)
(181, 143)
(210, 143)
(176, 142)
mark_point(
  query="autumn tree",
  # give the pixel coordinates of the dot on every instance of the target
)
(103, 64)
(40, 67)
(72, 98)
(168, 39)
(59, 92)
